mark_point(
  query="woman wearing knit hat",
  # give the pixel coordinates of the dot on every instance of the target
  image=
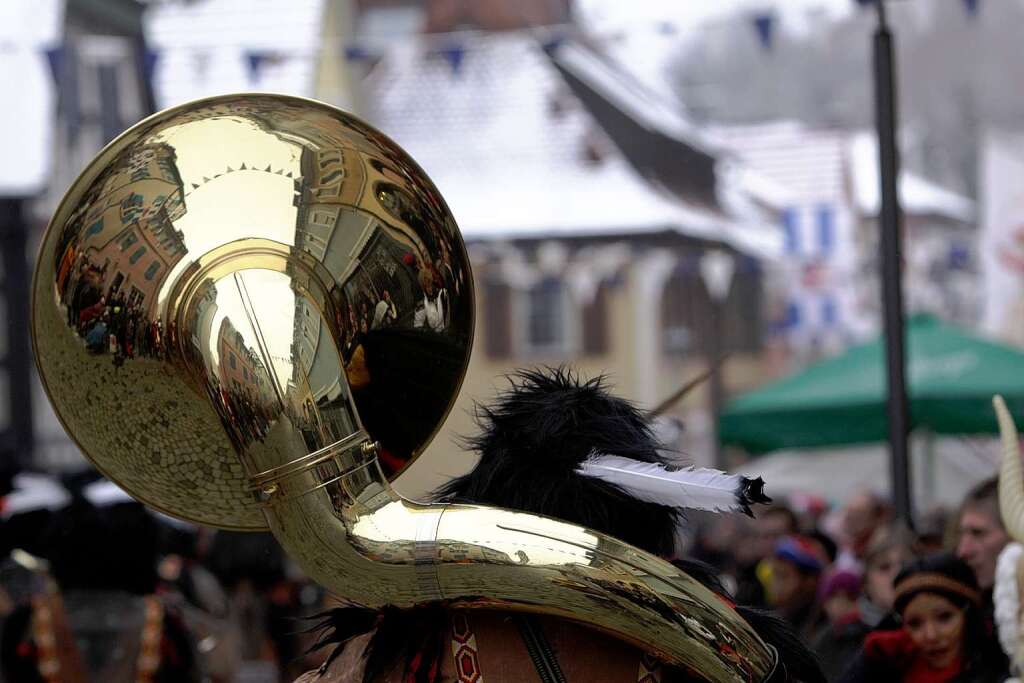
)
(942, 637)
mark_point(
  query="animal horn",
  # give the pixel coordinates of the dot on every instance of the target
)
(1011, 486)
(216, 344)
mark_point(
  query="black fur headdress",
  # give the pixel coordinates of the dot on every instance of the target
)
(534, 438)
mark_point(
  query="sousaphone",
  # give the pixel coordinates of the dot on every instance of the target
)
(254, 312)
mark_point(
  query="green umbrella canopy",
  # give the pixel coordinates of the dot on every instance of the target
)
(951, 378)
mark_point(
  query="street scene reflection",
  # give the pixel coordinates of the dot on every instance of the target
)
(178, 259)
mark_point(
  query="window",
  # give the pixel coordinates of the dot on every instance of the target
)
(128, 240)
(137, 255)
(151, 272)
(744, 326)
(595, 322)
(687, 312)
(231, 361)
(110, 98)
(324, 218)
(547, 316)
(681, 313)
(110, 93)
(497, 319)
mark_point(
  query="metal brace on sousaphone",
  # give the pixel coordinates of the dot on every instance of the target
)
(204, 325)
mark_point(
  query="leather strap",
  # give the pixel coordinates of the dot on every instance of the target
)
(543, 657)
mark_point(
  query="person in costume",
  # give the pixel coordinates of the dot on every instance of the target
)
(942, 636)
(97, 616)
(557, 446)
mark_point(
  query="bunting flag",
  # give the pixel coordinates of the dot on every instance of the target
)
(256, 61)
(764, 24)
(454, 54)
(55, 58)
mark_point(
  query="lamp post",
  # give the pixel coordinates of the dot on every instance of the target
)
(890, 252)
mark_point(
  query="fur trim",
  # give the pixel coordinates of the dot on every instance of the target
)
(1006, 597)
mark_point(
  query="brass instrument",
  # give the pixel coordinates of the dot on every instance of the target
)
(254, 311)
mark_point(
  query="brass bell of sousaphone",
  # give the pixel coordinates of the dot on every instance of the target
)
(254, 311)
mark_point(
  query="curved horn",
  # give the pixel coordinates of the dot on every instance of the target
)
(255, 311)
(1011, 482)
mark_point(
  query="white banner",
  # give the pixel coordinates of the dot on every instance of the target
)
(1002, 235)
(28, 114)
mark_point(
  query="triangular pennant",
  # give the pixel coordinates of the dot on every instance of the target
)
(55, 58)
(972, 7)
(205, 180)
(230, 170)
(280, 171)
(289, 174)
(267, 169)
(256, 61)
(454, 53)
(195, 186)
(242, 167)
(764, 23)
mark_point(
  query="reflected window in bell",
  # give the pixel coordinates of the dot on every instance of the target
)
(128, 240)
(139, 253)
(547, 313)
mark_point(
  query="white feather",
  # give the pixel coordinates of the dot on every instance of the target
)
(700, 489)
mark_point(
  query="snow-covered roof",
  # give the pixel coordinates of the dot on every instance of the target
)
(833, 166)
(203, 47)
(28, 116)
(807, 164)
(643, 104)
(505, 142)
(917, 195)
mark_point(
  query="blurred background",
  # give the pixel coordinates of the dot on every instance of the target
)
(645, 189)
(648, 189)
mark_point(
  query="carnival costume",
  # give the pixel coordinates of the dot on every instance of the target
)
(264, 402)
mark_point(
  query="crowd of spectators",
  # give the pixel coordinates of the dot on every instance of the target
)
(874, 599)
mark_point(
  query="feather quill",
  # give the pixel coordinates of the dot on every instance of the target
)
(698, 489)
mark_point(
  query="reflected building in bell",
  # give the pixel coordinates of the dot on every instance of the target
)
(129, 235)
(241, 369)
(201, 316)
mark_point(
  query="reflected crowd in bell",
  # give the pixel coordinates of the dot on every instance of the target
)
(138, 281)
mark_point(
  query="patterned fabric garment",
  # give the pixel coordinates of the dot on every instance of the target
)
(488, 647)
